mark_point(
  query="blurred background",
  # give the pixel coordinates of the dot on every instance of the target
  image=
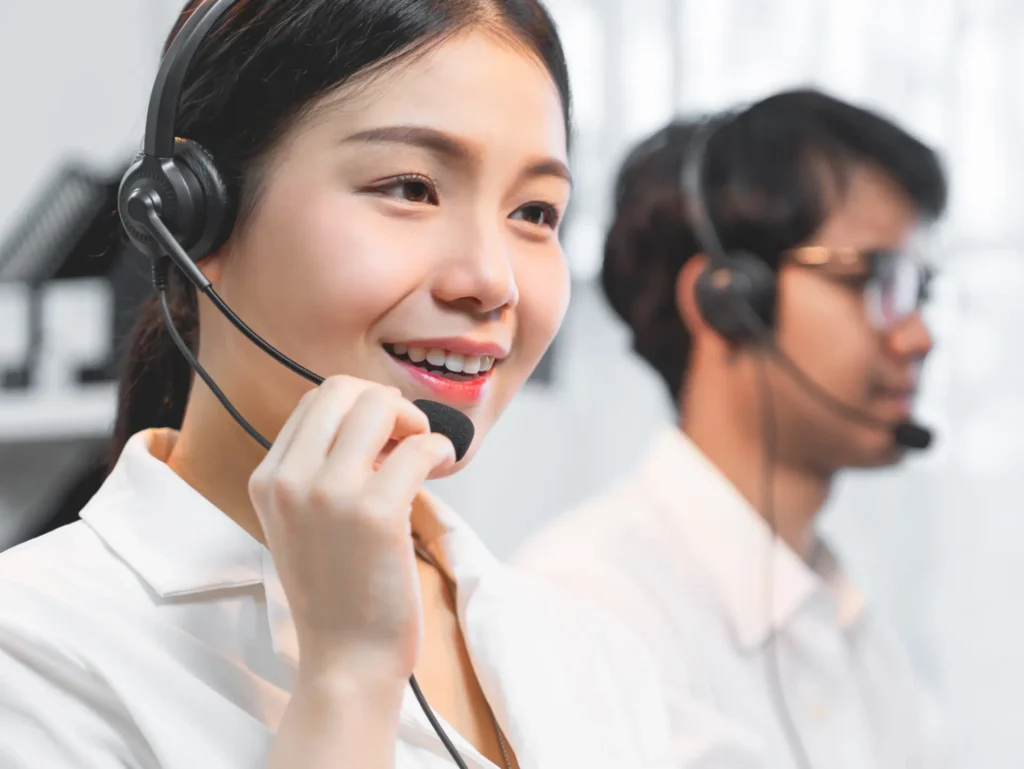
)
(937, 542)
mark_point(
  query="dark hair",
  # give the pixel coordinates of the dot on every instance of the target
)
(767, 174)
(261, 69)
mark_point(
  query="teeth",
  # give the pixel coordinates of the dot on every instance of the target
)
(455, 362)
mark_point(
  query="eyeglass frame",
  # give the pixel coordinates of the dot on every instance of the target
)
(852, 263)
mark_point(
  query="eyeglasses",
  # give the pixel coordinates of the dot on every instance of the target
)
(895, 282)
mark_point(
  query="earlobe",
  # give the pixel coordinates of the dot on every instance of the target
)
(212, 265)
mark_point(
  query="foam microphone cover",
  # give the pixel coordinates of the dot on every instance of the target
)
(912, 436)
(451, 423)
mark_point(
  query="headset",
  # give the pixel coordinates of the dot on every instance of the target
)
(174, 205)
(736, 292)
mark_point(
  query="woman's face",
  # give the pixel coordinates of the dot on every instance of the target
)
(406, 233)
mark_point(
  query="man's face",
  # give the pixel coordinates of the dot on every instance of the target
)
(828, 329)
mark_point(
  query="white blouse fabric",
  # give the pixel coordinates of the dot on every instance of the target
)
(154, 633)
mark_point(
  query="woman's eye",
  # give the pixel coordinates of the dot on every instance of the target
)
(412, 189)
(539, 214)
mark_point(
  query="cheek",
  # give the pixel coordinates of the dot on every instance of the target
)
(543, 283)
(825, 330)
(325, 271)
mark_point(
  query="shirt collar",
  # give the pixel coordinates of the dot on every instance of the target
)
(732, 543)
(180, 544)
(177, 541)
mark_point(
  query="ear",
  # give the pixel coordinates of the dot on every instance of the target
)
(686, 295)
(213, 265)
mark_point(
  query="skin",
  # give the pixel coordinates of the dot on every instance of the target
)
(356, 243)
(822, 325)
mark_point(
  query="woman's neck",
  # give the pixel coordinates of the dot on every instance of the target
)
(216, 457)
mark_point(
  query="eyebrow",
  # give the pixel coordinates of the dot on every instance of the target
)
(449, 147)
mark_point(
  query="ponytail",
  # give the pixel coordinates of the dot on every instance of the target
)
(155, 378)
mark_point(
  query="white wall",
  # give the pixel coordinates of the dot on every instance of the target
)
(74, 79)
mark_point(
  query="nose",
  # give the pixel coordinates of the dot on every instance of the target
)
(911, 339)
(479, 277)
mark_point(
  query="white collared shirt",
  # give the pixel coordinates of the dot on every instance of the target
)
(679, 555)
(154, 634)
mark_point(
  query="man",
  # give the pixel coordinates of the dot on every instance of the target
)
(709, 551)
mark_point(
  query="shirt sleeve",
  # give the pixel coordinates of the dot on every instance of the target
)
(56, 713)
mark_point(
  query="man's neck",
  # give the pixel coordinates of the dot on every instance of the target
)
(739, 454)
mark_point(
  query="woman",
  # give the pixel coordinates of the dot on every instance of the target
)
(401, 171)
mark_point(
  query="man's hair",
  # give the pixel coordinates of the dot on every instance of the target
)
(768, 175)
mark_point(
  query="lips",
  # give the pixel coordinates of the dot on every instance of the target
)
(455, 365)
(432, 370)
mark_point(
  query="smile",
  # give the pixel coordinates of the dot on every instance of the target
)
(456, 378)
(451, 365)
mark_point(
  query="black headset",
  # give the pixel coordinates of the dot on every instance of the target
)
(736, 291)
(174, 204)
(177, 176)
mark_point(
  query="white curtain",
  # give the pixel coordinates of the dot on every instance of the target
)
(936, 543)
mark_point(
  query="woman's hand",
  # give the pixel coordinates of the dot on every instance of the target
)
(334, 504)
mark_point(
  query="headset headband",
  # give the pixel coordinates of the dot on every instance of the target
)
(163, 102)
(694, 195)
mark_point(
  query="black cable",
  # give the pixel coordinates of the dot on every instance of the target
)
(160, 284)
(166, 239)
(180, 343)
(424, 705)
(257, 340)
(776, 688)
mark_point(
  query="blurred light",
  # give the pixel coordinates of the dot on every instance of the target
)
(584, 248)
(585, 51)
(646, 74)
(992, 442)
(978, 352)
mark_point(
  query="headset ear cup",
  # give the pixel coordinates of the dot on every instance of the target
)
(738, 301)
(217, 208)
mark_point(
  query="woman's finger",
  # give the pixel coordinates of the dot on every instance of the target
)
(378, 417)
(402, 474)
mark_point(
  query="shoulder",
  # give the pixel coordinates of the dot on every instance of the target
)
(606, 527)
(64, 593)
(599, 654)
(66, 569)
(51, 684)
(583, 662)
(615, 551)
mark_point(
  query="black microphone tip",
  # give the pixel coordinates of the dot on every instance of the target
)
(913, 436)
(453, 424)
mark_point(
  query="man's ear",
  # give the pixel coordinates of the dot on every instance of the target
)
(686, 294)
